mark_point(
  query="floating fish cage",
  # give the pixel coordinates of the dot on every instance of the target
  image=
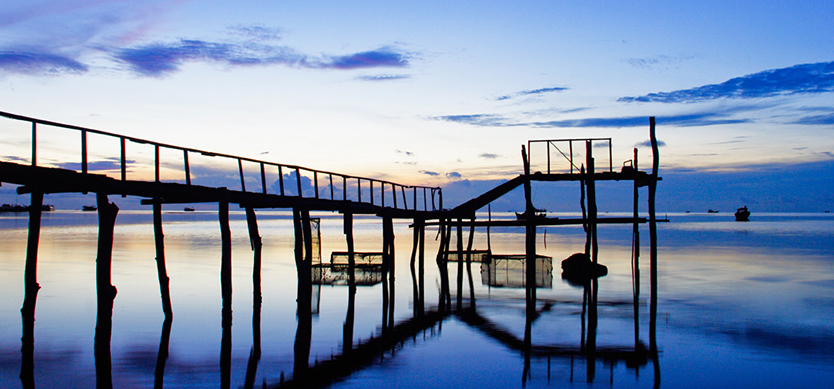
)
(367, 270)
(510, 271)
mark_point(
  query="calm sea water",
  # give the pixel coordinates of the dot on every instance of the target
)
(740, 305)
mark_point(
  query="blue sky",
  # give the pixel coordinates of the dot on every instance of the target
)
(433, 92)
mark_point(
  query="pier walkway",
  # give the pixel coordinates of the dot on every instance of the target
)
(297, 186)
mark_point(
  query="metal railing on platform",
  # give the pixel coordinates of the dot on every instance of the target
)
(415, 198)
(564, 149)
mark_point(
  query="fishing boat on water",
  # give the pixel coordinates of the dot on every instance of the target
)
(742, 214)
(537, 214)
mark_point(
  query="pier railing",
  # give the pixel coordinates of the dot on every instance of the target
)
(567, 155)
(293, 181)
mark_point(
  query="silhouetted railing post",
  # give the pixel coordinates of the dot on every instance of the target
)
(83, 151)
(460, 264)
(34, 144)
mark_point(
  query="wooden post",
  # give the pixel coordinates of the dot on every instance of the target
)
(460, 265)
(105, 290)
(592, 201)
(635, 265)
(530, 237)
(388, 228)
(226, 255)
(255, 240)
(83, 151)
(348, 229)
(30, 273)
(469, 264)
(653, 237)
(162, 272)
(34, 144)
(347, 328)
(31, 287)
(421, 266)
(226, 291)
(441, 266)
(303, 335)
(415, 289)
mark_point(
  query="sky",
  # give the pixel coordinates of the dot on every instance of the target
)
(442, 93)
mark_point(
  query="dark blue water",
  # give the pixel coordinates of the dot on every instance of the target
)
(740, 305)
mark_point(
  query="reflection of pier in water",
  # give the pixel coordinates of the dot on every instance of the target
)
(350, 195)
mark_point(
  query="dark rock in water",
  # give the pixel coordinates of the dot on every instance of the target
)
(579, 270)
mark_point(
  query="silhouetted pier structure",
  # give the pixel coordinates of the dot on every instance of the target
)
(349, 195)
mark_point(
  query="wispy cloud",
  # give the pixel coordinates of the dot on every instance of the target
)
(489, 155)
(384, 77)
(827, 119)
(454, 175)
(160, 59)
(799, 79)
(487, 120)
(39, 63)
(54, 38)
(429, 173)
(532, 92)
(256, 32)
(688, 120)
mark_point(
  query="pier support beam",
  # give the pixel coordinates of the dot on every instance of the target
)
(530, 238)
(31, 288)
(303, 262)
(347, 328)
(105, 290)
(161, 270)
(226, 292)
(653, 237)
(257, 244)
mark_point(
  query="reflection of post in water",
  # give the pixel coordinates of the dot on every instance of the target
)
(105, 290)
(162, 355)
(303, 261)
(257, 244)
(31, 287)
(226, 292)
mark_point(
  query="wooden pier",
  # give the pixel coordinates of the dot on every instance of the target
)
(326, 191)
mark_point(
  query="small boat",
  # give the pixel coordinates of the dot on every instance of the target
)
(711, 211)
(537, 214)
(89, 208)
(188, 209)
(742, 214)
(13, 208)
